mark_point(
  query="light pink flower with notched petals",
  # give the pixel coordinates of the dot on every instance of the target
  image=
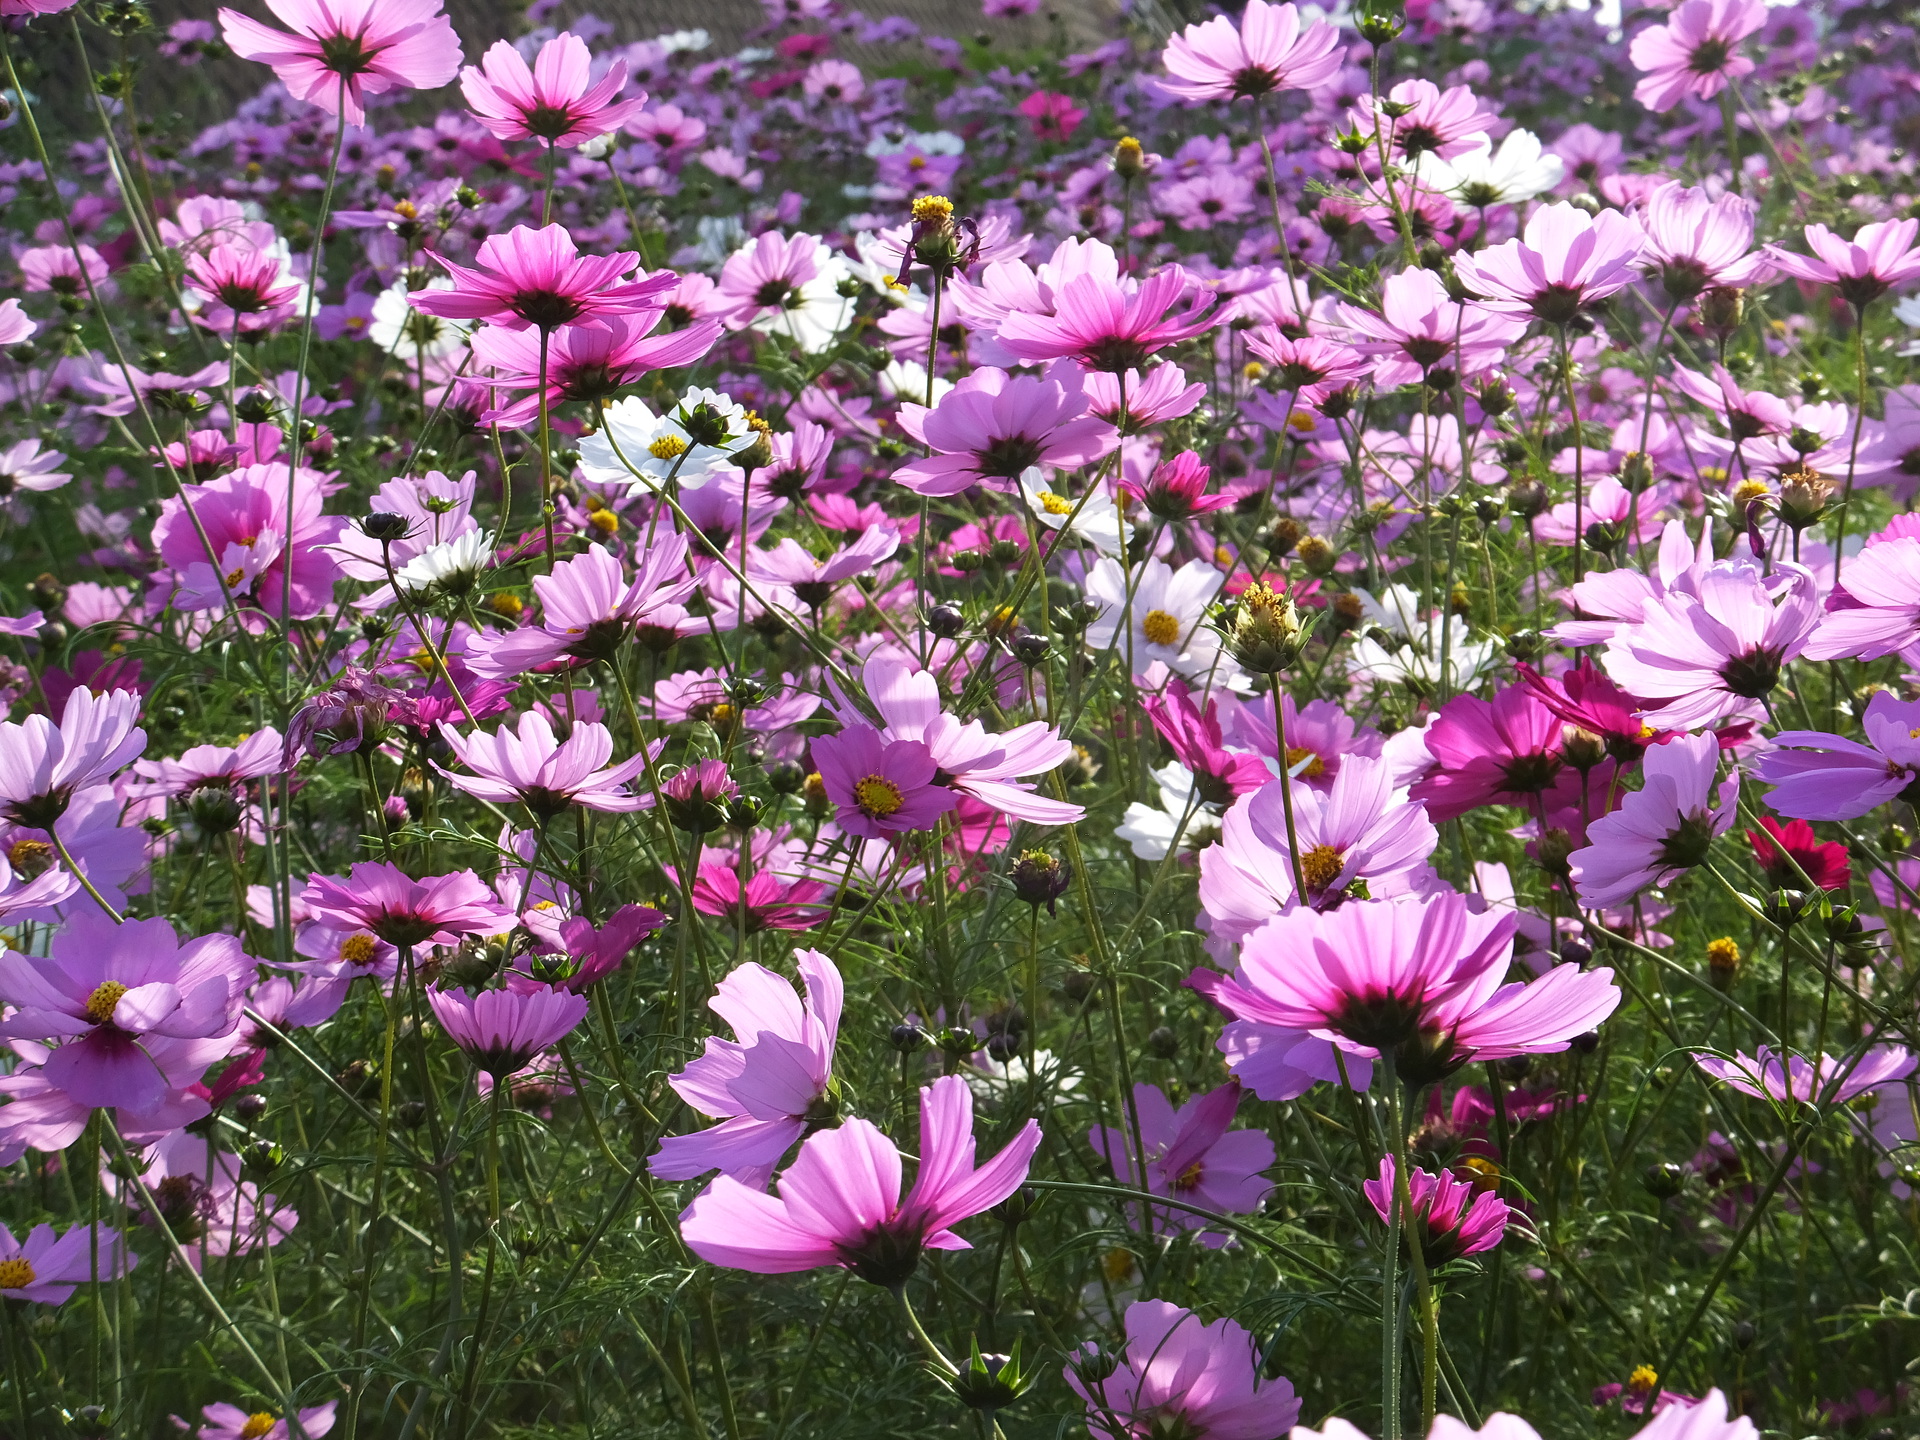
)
(1876, 610)
(1693, 53)
(1269, 50)
(539, 278)
(1819, 776)
(839, 1203)
(1191, 1155)
(1880, 257)
(342, 51)
(1419, 328)
(1661, 830)
(1831, 1080)
(546, 775)
(47, 1268)
(230, 1422)
(43, 765)
(588, 608)
(501, 1030)
(1694, 241)
(382, 898)
(1564, 262)
(1180, 1376)
(769, 1086)
(555, 100)
(992, 426)
(1110, 325)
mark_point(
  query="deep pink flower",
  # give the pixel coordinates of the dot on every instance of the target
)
(341, 51)
(255, 540)
(43, 765)
(105, 987)
(1693, 53)
(1177, 489)
(1500, 752)
(1452, 1217)
(777, 894)
(1270, 50)
(882, 787)
(1191, 1155)
(539, 278)
(1220, 774)
(1419, 330)
(501, 1030)
(791, 564)
(1661, 830)
(1106, 325)
(1817, 776)
(436, 910)
(1179, 1376)
(1582, 696)
(1563, 263)
(574, 953)
(1880, 257)
(1051, 115)
(839, 1202)
(546, 775)
(1790, 855)
(239, 289)
(588, 360)
(769, 1086)
(47, 1268)
(556, 100)
(992, 426)
(1831, 1080)
(588, 609)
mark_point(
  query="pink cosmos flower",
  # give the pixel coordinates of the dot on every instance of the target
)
(1817, 776)
(1051, 115)
(993, 426)
(402, 911)
(1500, 752)
(1179, 1376)
(105, 987)
(588, 609)
(1419, 330)
(1444, 123)
(1698, 658)
(1177, 489)
(40, 1115)
(1190, 1155)
(225, 765)
(770, 1086)
(1831, 1080)
(15, 324)
(839, 1202)
(1678, 1417)
(1417, 977)
(1661, 830)
(1162, 394)
(547, 776)
(56, 268)
(1453, 1217)
(230, 1422)
(204, 1201)
(586, 360)
(882, 787)
(24, 465)
(1311, 367)
(342, 51)
(501, 1030)
(1879, 258)
(1791, 855)
(1219, 773)
(1564, 262)
(255, 540)
(1694, 241)
(239, 289)
(838, 82)
(556, 100)
(539, 279)
(1877, 608)
(777, 895)
(1106, 324)
(43, 766)
(47, 1268)
(1692, 54)
(574, 953)
(1269, 51)
(791, 564)
(1319, 737)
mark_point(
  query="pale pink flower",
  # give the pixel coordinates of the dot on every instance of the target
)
(1180, 1376)
(1108, 324)
(556, 100)
(1661, 830)
(1419, 329)
(230, 1422)
(1830, 1080)
(992, 426)
(43, 765)
(1695, 241)
(588, 609)
(47, 1268)
(1880, 257)
(1192, 1155)
(546, 775)
(1877, 605)
(1564, 262)
(501, 1030)
(1693, 53)
(1270, 50)
(342, 51)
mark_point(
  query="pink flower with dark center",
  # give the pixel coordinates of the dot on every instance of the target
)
(992, 426)
(839, 1202)
(1693, 53)
(791, 564)
(574, 953)
(1564, 262)
(1162, 394)
(255, 540)
(1500, 752)
(770, 1086)
(230, 1422)
(1270, 50)
(1817, 776)
(402, 911)
(501, 1030)
(1051, 115)
(556, 100)
(1831, 1080)
(590, 361)
(1444, 123)
(342, 51)
(1791, 856)
(835, 81)
(1880, 257)
(1177, 489)
(1191, 1155)
(1694, 241)
(546, 775)
(588, 609)
(239, 289)
(104, 988)
(1661, 830)
(258, 754)
(1107, 325)
(1584, 697)
(200, 1195)
(1178, 1376)
(43, 765)
(767, 273)
(1453, 1218)
(47, 1268)
(1310, 367)
(1194, 734)
(1419, 330)
(882, 787)
(539, 278)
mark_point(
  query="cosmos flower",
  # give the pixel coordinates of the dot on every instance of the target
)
(1693, 53)
(1178, 1375)
(1661, 830)
(556, 100)
(1192, 1155)
(47, 1267)
(501, 1030)
(342, 51)
(1452, 1217)
(1270, 50)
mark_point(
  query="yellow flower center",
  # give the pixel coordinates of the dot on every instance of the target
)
(1749, 490)
(1724, 953)
(1321, 866)
(234, 577)
(1253, 369)
(359, 949)
(605, 521)
(878, 796)
(1160, 628)
(1301, 421)
(406, 210)
(1055, 504)
(1643, 1379)
(105, 996)
(17, 1273)
(504, 602)
(258, 1424)
(29, 855)
(1316, 765)
(667, 447)
(1118, 1265)
(1188, 1179)
(931, 207)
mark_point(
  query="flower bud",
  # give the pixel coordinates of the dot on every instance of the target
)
(908, 1038)
(1582, 749)
(1723, 961)
(1129, 159)
(967, 561)
(1316, 555)
(990, 1382)
(385, 526)
(1664, 1180)
(1636, 471)
(249, 1108)
(1263, 629)
(215, 809)
(1030, 647)
(1723, 308)
(1040, 879)
(1803, 498)
(1162, 1043)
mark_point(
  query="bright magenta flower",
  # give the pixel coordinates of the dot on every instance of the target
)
(239, 287)
(546, 775)
(1194, 734)
(539, 278)
(1270, 50)
(1565, 261)
(436, 910)
(1177, 489)
(342, 51)
(1693, 53)
(1110, 324)
(591, 361)
(839, 1202)
(1419, 330)
(1454, 1217)
(1178, 1376)
(501, 1030)
(882, 786)
(1192, 1155)
(556, 100)
(1504, 751)
(1051, 115)
(588, 609)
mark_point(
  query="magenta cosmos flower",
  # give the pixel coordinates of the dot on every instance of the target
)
(540, 772)
(105, 988)
(1661, 830)
(1455, 1217)
(1818, 776)
(47, 1268)
(1190, 1155)
(501, 1030)
(588, 609)
(1416, 977)
(1194, 734)
(992, 426)
(1880, 257)
(539, 278)
(230, 1422)
(556, 100)
(1108, 324)
(400, 910)
(1830, 1080)
(1269, 51)
(255, 539)
(770, 1085)
(1564, 262)
(342, 51)
(1505, 751)
(882, 787)
(1877, 607)
(42, 765)
(839, 1202)
(1693, 53)
(1180, 1376)
(1419, 329)
(590, 361)
(239, 289)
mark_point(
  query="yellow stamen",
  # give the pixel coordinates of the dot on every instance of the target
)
(667, 447)
(878, 796)
(1316, 767)
(17, 1273)
(1321, 866)
(1160, 628)
(1055, 504)
(258, 1424)
(359, 949)
(100, 1004)
(930, 207)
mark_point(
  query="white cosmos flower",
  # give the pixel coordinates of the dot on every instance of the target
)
(449, 568)
(1098, 522)
(698, 435)
(409, 334)
(1519, 170)
(907, 380)
(1164, 619)
(1907, 312)
(1149, 829)
(1418, 657)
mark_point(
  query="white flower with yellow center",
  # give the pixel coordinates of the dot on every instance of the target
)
(1095, 519)
(641, 450)
(1160, 615)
